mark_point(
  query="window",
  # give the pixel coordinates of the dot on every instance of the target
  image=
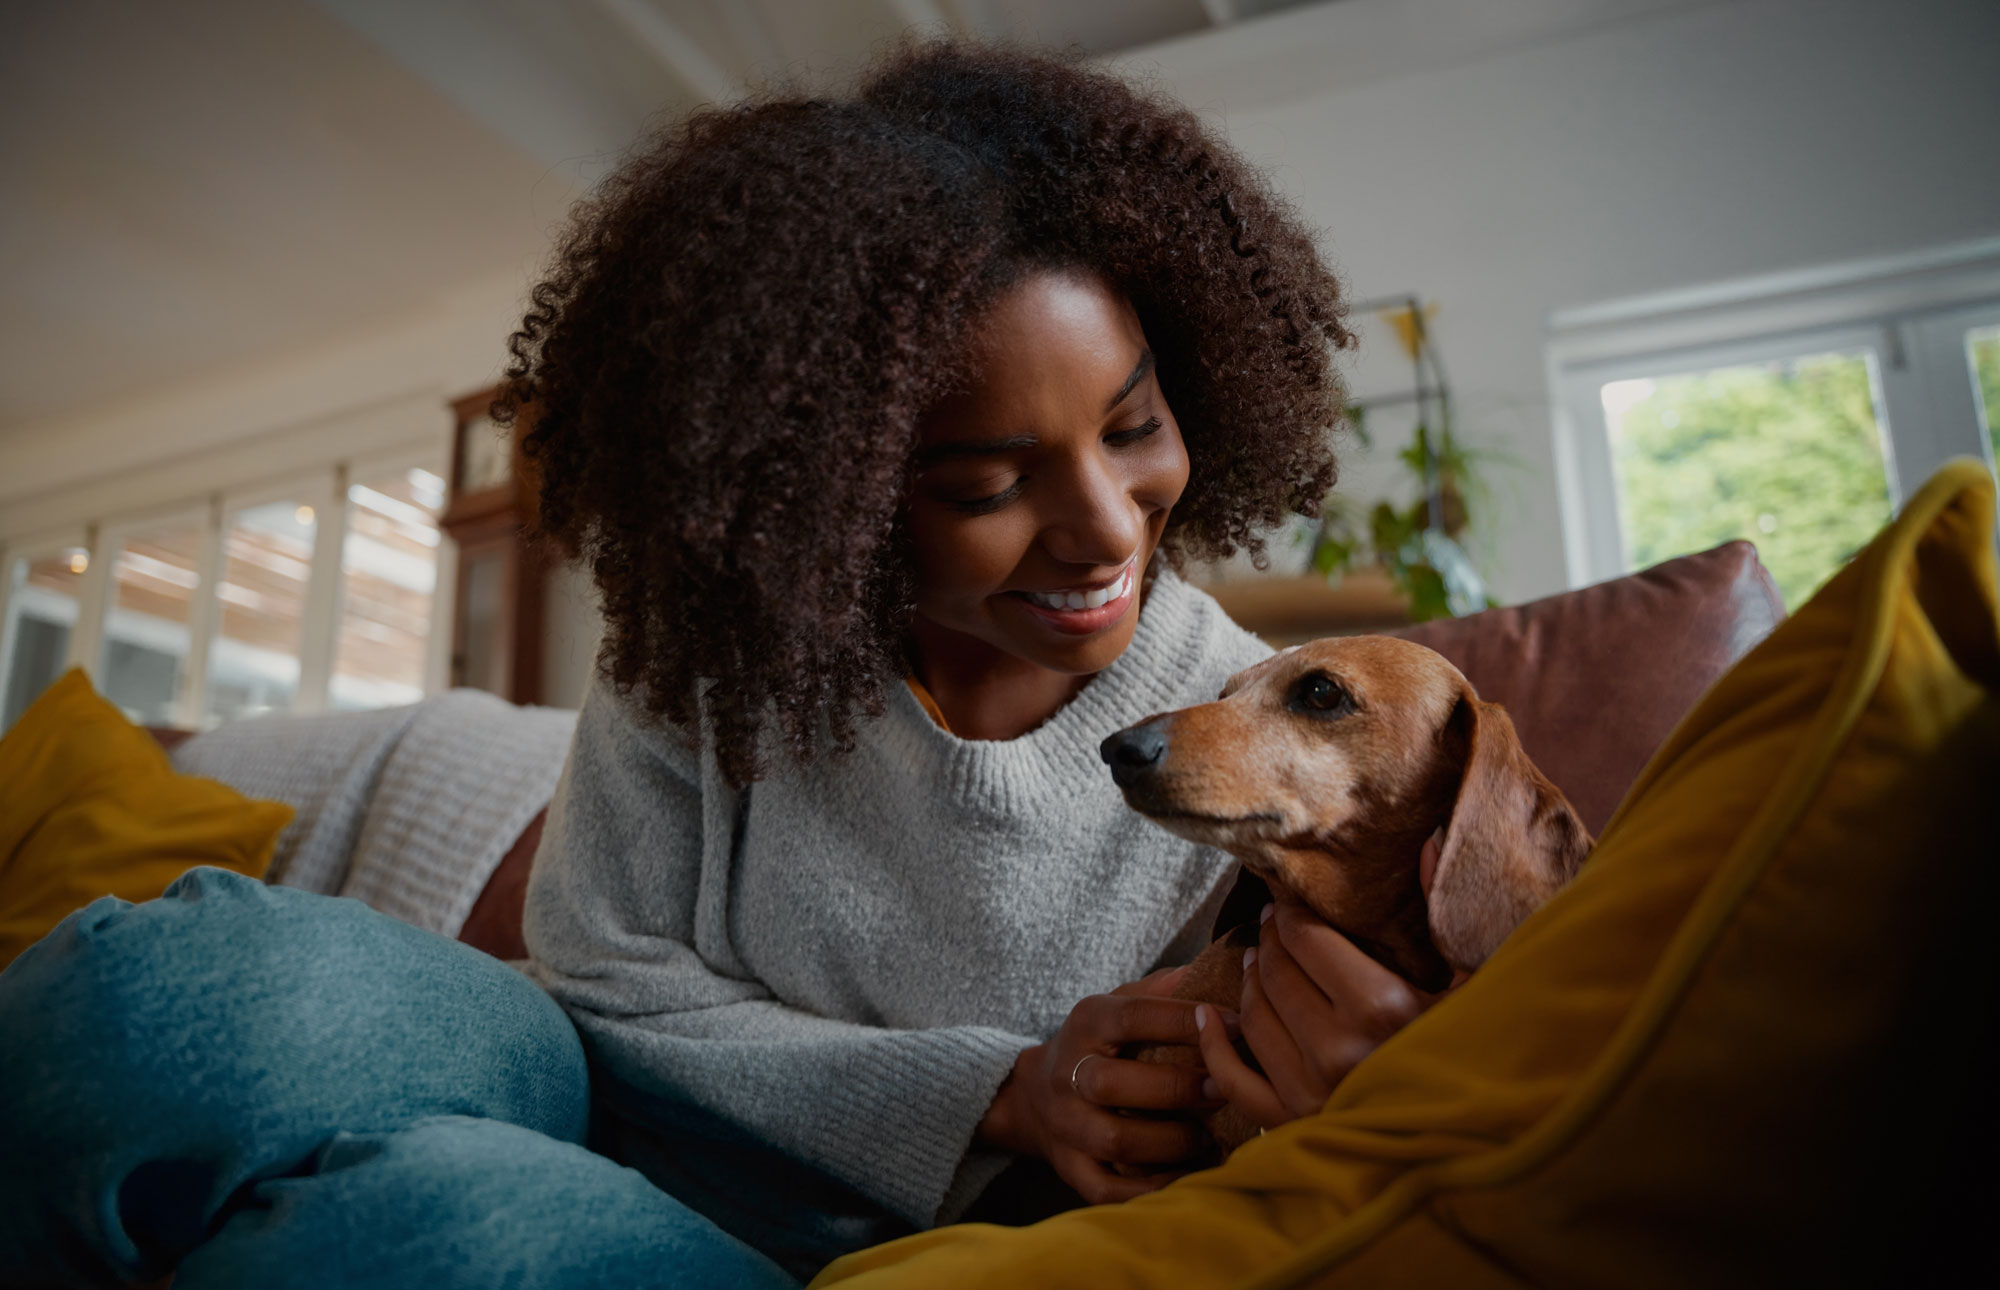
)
(40, 594)
(1982, 353)
(148, 625)
(1796, 413)
(267, 561)
(389, 583)
(304, 596)
(1786, 453)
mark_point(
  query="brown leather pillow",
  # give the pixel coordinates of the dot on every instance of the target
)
(1595, 679)
(494, 925)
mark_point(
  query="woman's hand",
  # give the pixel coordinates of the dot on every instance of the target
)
(1062, 1100)
(1313, 1006)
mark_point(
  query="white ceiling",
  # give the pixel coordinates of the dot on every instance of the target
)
(195, 185)
(573, 80)
(203, 185)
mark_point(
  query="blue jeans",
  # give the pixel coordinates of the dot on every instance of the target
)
(253, 1086)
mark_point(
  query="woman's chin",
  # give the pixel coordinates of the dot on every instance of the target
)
(1077, 654)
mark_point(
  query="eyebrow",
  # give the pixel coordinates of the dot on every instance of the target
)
(943, 452)
(1139, 371)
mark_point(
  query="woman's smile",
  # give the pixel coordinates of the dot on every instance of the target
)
(1087, 609)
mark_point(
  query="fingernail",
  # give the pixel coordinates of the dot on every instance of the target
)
(1249, 957)
(1264, 915)
(1211, 1090)
(1200, 1017)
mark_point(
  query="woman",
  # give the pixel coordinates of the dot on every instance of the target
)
(881, 425)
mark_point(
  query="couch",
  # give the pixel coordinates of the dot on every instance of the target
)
(1594, 679)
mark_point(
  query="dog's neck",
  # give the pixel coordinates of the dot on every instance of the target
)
(1364, 881)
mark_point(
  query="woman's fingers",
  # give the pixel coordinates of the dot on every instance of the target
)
(1108, 1021)
(1320, 1026)
(1099, 1185)
(1427, 861)
(1374, 1002)
(1161, 983)
(1239, 1085)
(1144, 1086)
(1115, 1139)
(1288, 1069)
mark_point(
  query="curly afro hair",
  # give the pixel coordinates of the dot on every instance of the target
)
(723, 373)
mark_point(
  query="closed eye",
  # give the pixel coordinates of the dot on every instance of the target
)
(1135, 434)
(984, 505)
(1318, 695)
(993, 502)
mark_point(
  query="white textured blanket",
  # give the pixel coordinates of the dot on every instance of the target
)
(407, 809)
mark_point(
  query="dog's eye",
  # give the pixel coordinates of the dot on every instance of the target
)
(1320, 694)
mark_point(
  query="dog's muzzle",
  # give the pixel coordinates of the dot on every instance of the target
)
(1134, 753)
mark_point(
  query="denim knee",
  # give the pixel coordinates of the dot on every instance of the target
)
(161, 1055)
(451, 1202)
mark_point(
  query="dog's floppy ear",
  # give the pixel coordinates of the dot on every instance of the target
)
(1512, 842)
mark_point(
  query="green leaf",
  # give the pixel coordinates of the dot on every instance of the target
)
(1464, 589)
(1357, 421)
(1428, 598)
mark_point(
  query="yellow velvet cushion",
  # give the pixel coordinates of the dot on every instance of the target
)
(1732, 1052)
(90, 806)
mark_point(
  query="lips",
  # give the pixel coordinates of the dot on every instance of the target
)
(1080, 611)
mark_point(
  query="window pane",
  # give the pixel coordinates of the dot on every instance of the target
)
(1982, 350)
(253, 666)
(388, 577)
(1788, 455)
(41, 603)
(148, 624)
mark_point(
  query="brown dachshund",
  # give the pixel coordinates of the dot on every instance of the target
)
(1324, 769)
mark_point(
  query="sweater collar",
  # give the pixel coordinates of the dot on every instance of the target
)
(1058, 758)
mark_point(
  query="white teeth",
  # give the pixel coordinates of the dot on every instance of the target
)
(1074, 600)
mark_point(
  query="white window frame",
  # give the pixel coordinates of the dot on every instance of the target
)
(1910, 311)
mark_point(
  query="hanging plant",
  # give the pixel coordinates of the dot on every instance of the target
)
(1421, 545)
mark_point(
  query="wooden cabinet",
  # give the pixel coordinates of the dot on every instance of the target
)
(499, 594)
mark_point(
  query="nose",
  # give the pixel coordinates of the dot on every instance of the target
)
(1134, 753)
(1099, 522)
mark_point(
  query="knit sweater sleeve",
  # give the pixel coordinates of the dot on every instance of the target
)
(616, 908)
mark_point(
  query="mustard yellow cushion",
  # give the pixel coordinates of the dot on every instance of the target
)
(1732, 1052)
(90, 806)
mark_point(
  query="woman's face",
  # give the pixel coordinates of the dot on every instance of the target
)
(1041, 491)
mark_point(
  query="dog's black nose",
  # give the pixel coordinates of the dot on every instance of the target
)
(1132, 753)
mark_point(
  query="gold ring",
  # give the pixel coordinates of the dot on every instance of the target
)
(1073, 1073)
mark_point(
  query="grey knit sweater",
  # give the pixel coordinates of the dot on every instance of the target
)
(847, 964)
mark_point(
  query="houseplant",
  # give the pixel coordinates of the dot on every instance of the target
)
(1420, 544)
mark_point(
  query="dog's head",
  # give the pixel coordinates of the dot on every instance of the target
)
(1326, 767)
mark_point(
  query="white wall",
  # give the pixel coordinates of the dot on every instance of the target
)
(572, 626)
(1686, 147)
